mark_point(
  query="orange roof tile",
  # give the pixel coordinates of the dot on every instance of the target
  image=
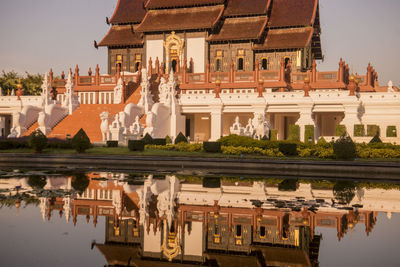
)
(286, 13)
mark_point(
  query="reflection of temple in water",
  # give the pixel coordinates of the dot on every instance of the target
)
(161, 220)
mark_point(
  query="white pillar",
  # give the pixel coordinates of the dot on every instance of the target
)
(351, 117)
(216, 123)
(305, 119)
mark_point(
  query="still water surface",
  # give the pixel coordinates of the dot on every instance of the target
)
(100, 219)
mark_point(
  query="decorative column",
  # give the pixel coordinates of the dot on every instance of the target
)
(305, 118)
(351, 116)
(216, 122)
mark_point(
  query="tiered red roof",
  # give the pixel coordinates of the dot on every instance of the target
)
(157, 4)
(181, 19)
(286, 39)
(128, 11)
(241, 29)
(122, 35)
(288, 13)
(245, 7)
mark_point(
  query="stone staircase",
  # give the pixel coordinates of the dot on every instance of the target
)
(86, 117)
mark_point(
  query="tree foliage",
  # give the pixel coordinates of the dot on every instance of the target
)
(31, 82)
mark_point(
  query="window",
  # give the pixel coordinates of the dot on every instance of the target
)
(173, 65)
(240, 64)
(218, 64)
(138, 60)
(287, 60)
(238, 230)
(262, 232)
(264, 64)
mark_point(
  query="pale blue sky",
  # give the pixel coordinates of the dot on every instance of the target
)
(36, 35)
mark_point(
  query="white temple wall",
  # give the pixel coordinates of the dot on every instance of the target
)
(202, 127)
(154, 49)
(150, 241)
(194, 240)
(196, 50)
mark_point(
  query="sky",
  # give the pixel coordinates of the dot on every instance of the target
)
(42, 34)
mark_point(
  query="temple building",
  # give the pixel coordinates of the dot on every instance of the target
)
(208, 69)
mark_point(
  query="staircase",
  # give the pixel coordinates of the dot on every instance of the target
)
(86, 117)
(31, 129)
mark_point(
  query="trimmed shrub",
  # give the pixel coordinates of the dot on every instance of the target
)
(372, 130)
(344, 191)
(180, 138)
(375, 139)
(309, 133)
(391, 131)
(37, 181)
(56, 143)
(245, 141)
(159, 141)
(359, 130)
(147, 139)
(37, 141)
(294, 133)
(340, 130)
(80, 182)
(288, 149)
(322, 142)
(168, 140)
(81, 142)
(212, 147)
(14, 143)
(211, 182)
(273, 135)
(344, 148)
(136, 145)
(288, 185)
(112, 143)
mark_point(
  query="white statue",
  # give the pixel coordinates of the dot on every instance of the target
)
(249, 130)
(146, 98)
(390, 87)
(116, 129)
(137, 127)
(45, 90)
(13, 92)
(150, 118)
(237, 127)
(71, 101)
(163, 90)
(261, 125)
(118, 91)
(105, 131)
(18, 128)
(44, 121)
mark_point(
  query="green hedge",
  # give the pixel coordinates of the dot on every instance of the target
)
(340, 130)
(147, 139)
(159, 141)
(288, 149)
(37, 141)
(373, 130)
(391, 131)
(273, 135)
(294, 133)
(180, 138)
(168, 140)
(112, 143)
(136, 145)
(81, 142)
(344, 148)
(212, 147)
(309, 133)
(359, 130)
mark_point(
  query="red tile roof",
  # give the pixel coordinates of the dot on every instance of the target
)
(128, 11)
(247, 28)
(157, 4)
(246, 7)
(181, 19)
(287, 13)
(286, 39)
(122, 35)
